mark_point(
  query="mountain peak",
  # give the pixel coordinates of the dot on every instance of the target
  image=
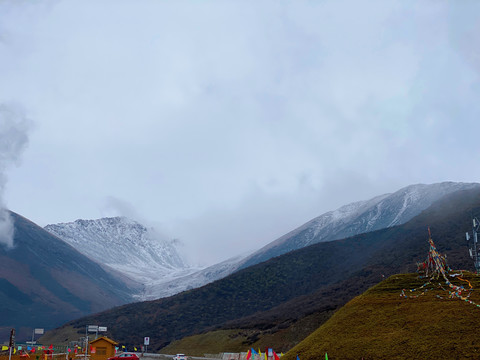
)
(122, 244)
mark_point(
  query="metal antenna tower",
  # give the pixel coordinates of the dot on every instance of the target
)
(474, 248)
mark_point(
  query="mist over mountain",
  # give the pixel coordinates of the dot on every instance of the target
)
(360, 217)
(133, 250)
(380, 212)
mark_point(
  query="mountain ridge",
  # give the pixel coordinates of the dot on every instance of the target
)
(380, 212)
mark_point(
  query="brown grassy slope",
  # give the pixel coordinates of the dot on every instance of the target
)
(240, 340)
(380, 324)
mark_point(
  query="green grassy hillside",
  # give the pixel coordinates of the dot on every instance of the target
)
(380, 324)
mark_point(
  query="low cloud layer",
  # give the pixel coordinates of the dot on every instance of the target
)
(232, 122)
(14, 128)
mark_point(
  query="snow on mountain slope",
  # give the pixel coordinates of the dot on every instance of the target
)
(132, 249)
(191, 280)
(124, 245)
(380, 212)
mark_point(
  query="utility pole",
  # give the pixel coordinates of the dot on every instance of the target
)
(11, 344)
(86, 342)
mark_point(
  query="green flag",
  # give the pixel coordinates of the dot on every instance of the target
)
(326, 356)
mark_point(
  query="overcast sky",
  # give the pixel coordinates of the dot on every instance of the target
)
(228, 123)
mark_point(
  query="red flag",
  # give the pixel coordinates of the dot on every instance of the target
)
(276, 356)
(249, 354)
(51, 346)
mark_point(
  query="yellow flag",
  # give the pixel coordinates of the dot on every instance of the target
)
(259, 352)
(4, 348)
(135, 348)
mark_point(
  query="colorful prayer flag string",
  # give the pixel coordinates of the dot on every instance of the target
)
(434, 266)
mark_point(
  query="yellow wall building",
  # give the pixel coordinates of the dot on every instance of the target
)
(103, 348)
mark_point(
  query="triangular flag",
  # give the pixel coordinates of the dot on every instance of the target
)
(275, 356)
(259, 352)
(298, 358)
(249, 354)
(254, 352)
(51, 346)
(326, 356)
(135, 348)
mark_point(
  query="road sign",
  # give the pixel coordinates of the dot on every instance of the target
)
(102, 328)
(39, 331)
(92, 328)
(146, 340)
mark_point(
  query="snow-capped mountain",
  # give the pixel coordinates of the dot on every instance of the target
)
(135, 251)
(360, 217)
(125, 246)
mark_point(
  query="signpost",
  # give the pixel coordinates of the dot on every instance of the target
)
(146, 342)
(36, 332)
(96, 329)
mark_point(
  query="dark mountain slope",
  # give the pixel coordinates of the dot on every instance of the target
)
(323, 276)
(45, 282)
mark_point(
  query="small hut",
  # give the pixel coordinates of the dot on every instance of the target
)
(102, 348)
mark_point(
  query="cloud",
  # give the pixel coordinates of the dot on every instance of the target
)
(114, 206)
(14, 128)
(261, 115)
